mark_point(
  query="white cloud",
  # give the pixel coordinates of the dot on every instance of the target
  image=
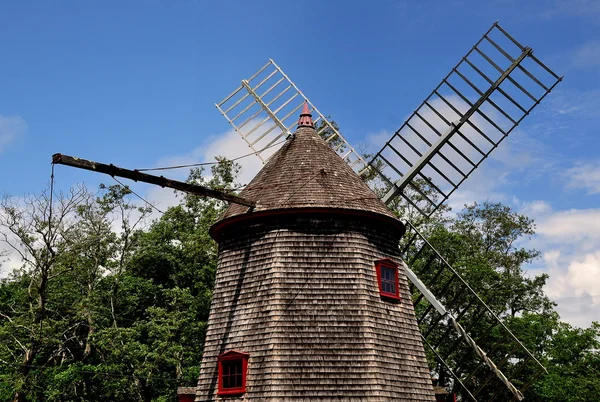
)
(535, 209)
(584, 276)
(550, 9)
(11, 127)
(576, 104)
(9, 261)
(229, 144)
(585, 176)
(577, 288)
(376, 140)
(571, 226)
(570, 243)
(587, 55)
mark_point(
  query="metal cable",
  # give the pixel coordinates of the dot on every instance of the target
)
(136, 194)
(209, 163)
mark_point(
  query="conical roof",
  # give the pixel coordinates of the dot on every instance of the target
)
(306, 173)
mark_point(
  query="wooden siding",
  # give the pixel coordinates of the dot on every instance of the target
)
(300, 295)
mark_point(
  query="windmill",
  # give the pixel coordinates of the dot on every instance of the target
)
(478, 104)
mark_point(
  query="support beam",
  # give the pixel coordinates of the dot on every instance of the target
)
(418, 167)
(135, 175)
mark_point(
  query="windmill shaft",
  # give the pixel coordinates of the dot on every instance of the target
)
(135, 175)
(424, 291)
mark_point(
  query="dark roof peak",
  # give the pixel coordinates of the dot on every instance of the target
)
(305, 119)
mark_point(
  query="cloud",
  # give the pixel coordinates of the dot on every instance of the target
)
(574, 104)
(570, 245)
(376, 140)
(9, 260)
(11, 127)
(535, 209)
(550, 9)
(576, 289)
(571, 226)
(587, 55)
(585, 176)
(229, 144)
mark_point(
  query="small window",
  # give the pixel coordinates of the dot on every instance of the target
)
(232, 372)
(387, 278)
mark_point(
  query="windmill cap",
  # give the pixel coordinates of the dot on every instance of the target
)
(307, 176)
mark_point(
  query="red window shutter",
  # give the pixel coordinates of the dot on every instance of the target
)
(387, 279)
(233, 368)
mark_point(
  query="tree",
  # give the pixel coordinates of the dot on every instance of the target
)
(573, 361)
(482, 243)
(107, 308)
(39, 234)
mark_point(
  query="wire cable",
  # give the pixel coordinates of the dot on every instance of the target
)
(210, 163)
(136, 194)
(51, 200)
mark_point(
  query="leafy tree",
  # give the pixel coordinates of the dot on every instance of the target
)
(105, 307)
(482, 243)
(573, 361)
(40, 235)
(108, 308)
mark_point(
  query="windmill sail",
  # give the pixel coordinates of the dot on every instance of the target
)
(264, 109)
(478, 104)
(464, 119)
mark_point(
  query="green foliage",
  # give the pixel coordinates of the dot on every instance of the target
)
(573, 360)
(106, 307)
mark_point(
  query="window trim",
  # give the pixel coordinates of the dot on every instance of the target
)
(387, 263)
(231, 356)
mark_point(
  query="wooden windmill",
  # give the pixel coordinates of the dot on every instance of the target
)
(478, 104)
(313, 298)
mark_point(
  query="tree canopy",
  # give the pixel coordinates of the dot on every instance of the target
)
(109, 306)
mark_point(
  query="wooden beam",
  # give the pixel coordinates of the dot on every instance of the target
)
(135, 175)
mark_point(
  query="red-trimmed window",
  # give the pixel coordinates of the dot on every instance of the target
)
(387, 278)
(233, 366)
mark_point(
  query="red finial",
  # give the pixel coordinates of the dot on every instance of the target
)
(305, 119)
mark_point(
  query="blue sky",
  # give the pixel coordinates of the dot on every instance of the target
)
(134, 84)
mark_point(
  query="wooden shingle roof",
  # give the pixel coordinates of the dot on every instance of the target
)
(307, 173)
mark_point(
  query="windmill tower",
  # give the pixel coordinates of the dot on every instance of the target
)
(310, 300)
(475, 107)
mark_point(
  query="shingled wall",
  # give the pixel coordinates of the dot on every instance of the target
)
(299, 293)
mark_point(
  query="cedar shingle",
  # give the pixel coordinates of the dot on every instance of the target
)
(306, 173)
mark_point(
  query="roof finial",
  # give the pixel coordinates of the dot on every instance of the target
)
(305, 119)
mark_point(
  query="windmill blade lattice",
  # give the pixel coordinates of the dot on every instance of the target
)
(479, 103)
(264, 109)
